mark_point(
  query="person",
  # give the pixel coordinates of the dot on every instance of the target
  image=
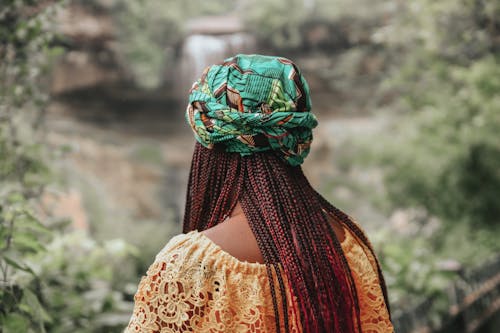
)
(261, 251)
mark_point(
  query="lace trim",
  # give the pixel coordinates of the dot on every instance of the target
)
(195, 286)
(373, 311)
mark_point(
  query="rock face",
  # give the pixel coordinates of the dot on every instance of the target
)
(119, 171)
(92, 61)
(79, 70)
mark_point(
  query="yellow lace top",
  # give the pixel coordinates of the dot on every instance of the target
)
(195, 286)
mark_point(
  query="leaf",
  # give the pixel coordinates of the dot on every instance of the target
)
(15, 323)
(27, 242)
(32, 222)
(15, 264)
(31, 305)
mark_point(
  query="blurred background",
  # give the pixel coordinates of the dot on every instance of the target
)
(95, 152)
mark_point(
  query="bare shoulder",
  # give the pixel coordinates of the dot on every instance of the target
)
(235, 237)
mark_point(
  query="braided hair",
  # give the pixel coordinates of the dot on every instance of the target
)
(289, 220)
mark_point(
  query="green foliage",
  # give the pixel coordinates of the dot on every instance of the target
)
(147, 29)
(412, 272)
(424, 264)
(50, 279)
(81, 287)
(22, 234)
(446, 157)
(150, 32)
(283, 24)
(436, 145)
(277, 22)
(441, 154)
(23, 170)
(455, 31)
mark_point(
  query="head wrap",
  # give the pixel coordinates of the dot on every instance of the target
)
(253, 103)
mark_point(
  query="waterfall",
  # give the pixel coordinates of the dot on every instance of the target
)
(201, 50)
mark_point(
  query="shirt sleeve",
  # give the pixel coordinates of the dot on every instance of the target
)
(163, 301)
(194, 286)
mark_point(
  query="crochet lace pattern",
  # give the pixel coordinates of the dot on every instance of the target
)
(195, 286)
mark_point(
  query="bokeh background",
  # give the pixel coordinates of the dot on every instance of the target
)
(95, 152)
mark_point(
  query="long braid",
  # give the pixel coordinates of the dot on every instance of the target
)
(299, 214)
(282, 231)
(275, 217)
(346, 220)
(324, 243)
(292, 232)
(269, 253)
(302, 180)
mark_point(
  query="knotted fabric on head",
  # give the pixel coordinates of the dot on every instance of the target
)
(253, 103)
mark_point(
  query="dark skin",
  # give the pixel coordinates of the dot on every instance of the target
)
(235, 237)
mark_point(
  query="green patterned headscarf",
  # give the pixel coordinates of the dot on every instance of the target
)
(253, 103)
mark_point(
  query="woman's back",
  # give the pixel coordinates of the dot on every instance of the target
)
(197, 285)
(311, 267)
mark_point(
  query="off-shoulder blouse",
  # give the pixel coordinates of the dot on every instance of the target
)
(195, 286)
